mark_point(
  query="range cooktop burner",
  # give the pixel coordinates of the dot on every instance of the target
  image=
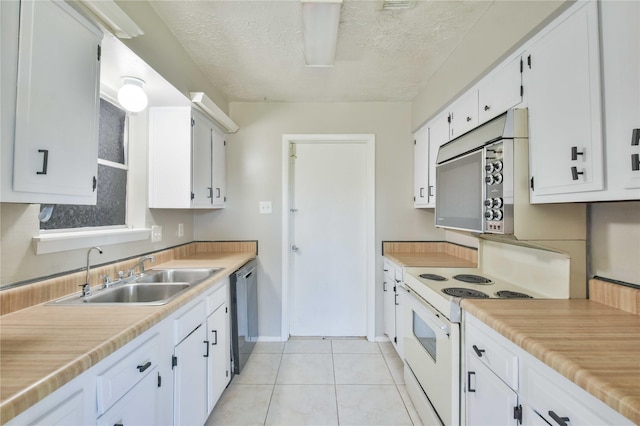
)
(508, 294)
(434, 277)
(472, 279)
(464, 292)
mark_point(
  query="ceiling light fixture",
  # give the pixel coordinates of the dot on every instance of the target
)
(398, 4)
(320, 20)
(131, 95)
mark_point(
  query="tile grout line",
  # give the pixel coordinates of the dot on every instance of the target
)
(396, 385)
(335, 383)
(273, 388)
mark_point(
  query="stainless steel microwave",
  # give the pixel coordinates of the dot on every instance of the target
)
(475, 176)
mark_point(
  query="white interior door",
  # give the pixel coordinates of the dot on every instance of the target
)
(328, 234)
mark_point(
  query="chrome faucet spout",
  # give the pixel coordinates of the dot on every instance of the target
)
(140, 265)
(86, 287)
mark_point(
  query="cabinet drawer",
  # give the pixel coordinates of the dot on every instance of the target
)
(188, 321)
(216, 299)
(138, 407)
(481, 345)
(553, 397)
(118, 379)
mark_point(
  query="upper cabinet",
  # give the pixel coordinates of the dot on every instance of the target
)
(186, 160)
(427, 141)
(53, 98)
(501, 90)
(562, 88)
(464, 114)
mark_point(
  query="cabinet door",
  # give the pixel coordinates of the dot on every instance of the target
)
(57, 108)
(464, 113)
(562, 88)
(489, 400)
(500, 91)
(201, 161)
(138, 407)
(421, 168)
(388, 296)
(219, 360)
(621, 68)
(190, 379)
(219, 172)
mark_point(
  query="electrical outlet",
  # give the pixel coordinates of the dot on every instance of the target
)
(181, 230)
(156, 234)
(265, 207)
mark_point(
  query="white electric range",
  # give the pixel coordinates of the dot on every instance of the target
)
(443, 288)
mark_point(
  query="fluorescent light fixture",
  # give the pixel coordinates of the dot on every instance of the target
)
(115, 18)
(320, 20)
(214, 111)
(131, 95)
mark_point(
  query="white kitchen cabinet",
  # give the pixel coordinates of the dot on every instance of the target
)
(421, 165)
(562, 88)
(392, 283)
(138, 407)
(190, 366)
(501, 90)
(187, 143)
(52, 156)
(59, 409)
(464, 113)
(219, 359)
(539, 394)
(490, 401)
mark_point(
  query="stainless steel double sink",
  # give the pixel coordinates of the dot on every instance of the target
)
(154, 287)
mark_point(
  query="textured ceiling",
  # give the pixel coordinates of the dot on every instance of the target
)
(253, 50)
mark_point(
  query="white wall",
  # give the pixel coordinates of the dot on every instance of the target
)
(614, 243)
(254, 173)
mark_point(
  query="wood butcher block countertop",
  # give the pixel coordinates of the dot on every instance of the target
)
(594, 345)
(430, 254)
(44, 346)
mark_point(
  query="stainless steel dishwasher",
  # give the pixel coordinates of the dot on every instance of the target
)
(244, 314)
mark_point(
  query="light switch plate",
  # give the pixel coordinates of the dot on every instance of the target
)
(156, 234)
(181, 230)
(265, 207)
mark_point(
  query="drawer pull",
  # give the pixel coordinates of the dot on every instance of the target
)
(478, 352)
(206, 343)
(562, 421)
(469, 373)
(143, 367)
(118, 424)
(215, 334)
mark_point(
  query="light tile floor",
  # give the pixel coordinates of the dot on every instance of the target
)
(318, 382)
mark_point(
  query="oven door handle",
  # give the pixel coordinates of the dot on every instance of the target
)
(425, 310)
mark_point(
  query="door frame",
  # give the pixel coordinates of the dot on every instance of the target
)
(370, 275)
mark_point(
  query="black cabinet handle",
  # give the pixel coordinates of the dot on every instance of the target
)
(635, 162)
(210, 192)
(487, 107)
(143, 367)
(421, 192)
(575, 153)
(45, 161)
(469, 373)
(206, 343)
(215, 334)
(478, 351)
(118, 424)
(575, 173)
(635, 137)
(562, 421)
(217, 192)
(396, 299)
(384, 286)
(468, 119)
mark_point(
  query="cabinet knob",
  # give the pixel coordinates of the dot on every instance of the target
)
(487, 107)
(478, 351)
(468, 119)
(575, 153)
(575, 173)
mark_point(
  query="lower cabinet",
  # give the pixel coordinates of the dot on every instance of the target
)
(190, 379)
(391, 287)
(505, 385)
(174, 373)
(138, 407)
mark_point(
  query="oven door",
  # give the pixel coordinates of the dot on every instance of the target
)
(432, 352)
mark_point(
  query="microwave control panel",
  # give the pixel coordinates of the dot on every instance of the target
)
(498, 185)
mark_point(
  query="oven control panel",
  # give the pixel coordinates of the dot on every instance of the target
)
(498, 203)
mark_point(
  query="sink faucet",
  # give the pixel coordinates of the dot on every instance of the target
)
(140, 264)
(86, 288)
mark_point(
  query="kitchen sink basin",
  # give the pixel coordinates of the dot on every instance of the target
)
(191, 275)
(154, 287)
(138, 293)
